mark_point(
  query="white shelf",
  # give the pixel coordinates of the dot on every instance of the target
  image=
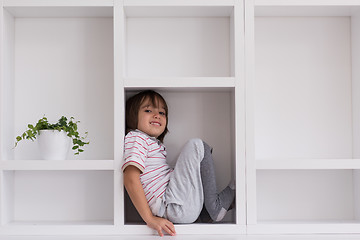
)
(308, 227)
(306, 3)
(70, 228)
(52, 9)
(192, 52)
(191, 82)
(223, 229)
(107, 228)
(179, 3)
(57, 223)
(59, 12)
(57, 3)
(176, 11)
(57, 165)
(307, 164)
(306, 8)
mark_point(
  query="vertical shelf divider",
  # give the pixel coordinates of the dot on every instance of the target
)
(250, 151)
(239, 110)
(119, 112)
(355, 45)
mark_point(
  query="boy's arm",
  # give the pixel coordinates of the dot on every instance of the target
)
(136, 192)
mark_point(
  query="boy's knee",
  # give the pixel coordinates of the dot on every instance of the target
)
(195, 145)
(176, 214)
(195, 141)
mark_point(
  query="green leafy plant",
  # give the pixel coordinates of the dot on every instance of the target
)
(70, 127)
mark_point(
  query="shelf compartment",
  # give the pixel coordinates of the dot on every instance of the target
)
(53, 197)
(179, 41)
(58, 165)
(304, 100)
(208, 115)
(61, 65)
(263, 164)
(307, 196)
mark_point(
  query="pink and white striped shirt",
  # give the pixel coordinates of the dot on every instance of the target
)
(149, 155)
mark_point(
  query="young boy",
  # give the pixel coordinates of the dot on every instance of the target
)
(160, 194)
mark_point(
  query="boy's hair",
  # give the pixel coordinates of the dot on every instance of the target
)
(133, 106)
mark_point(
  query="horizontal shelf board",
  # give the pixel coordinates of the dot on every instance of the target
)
(178, 11)
(306, 3)
(56, 3)
(60, 228)
(195, 228)
(60, 11)
(61, 223)
(212, 228)
(179, 3)
(307, 222)
(307, 164)
(191, 82)
(57, 165)
(303, 228)
(306, 11)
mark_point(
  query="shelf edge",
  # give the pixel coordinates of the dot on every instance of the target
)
(191, 82)
(307, 164)
(62, 3)
(57, 165)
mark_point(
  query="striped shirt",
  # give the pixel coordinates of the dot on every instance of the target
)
(149, 155)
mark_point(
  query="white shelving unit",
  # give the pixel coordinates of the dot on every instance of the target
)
(302, 116)
(192, 53)
(84, 58)
(272, 85)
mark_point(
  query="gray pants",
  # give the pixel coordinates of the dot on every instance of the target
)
(192, 179)
(184, 198)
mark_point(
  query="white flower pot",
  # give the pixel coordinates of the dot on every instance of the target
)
(53, 145)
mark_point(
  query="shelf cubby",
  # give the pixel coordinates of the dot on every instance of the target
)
(179, 41)
(185, 123)
(58, 198)
(327, 196)
(59, 61)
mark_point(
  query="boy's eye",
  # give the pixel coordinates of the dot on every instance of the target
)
(147, 110)
(162, 113)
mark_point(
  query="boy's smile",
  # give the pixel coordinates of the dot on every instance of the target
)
(152, 119)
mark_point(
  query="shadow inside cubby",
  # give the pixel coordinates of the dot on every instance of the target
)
(131, 214)
(207, 114)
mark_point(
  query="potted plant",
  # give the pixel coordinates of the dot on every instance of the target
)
(54, 138)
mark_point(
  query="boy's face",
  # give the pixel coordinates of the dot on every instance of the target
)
(152, 119)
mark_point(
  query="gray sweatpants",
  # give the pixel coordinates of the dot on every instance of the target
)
(183, 199)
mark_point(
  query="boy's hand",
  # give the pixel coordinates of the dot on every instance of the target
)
(160, 224)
